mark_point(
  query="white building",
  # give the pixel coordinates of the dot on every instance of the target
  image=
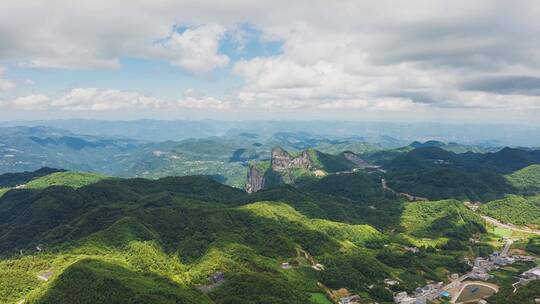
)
(532, 273)
(404, 298)
(354, 299)
(480, 262)
(529, 276)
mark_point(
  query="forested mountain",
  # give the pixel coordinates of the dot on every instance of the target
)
(300, 167)
(160, 240)
(526, 180)
(437, 174)
(18, 178)
(515, 209)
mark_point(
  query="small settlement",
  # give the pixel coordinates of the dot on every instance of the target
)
(480, 271)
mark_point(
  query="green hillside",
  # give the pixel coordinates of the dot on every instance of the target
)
(446, 182)
(329, 162)
(46, 177)
(8, 180)
(527, 179)
(97, 281)
(69, 179)
(157, 241)
(505, 161)
(302, 167)
(515, 209)
(447, 218)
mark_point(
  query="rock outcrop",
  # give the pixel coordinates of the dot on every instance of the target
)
(285, 168)
(255, 180)
(355, 159)
(282, 161)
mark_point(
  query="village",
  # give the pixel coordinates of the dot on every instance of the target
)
(473, 284)
(481, 268)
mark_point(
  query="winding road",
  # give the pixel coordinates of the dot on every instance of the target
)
(507, 226)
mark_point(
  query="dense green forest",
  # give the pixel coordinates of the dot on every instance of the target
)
(527, 180)
(69, 179)
(14, 179)
(515, 209)
(158, 240)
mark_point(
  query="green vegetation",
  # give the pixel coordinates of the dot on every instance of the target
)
(242, 240)
(450, 182)
(258, 288)
(501, 232)
(505, 277)
(95, 281)
(69, 179)
(527, 180)
(448, 218)
(9, 180)
(514, 209)
(313, 166)
(319, 298)
(533, 245)
(330, 163)
(111, 240)
(156, 241)
(355, 147)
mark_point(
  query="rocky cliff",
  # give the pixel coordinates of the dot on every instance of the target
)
(355, 159)
(281, 166)
(255, 180)
(282, 161)
(286, 168)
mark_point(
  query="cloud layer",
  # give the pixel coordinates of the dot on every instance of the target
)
(84, 99)
(334, 56)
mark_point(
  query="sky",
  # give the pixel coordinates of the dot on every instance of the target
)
(449, 61)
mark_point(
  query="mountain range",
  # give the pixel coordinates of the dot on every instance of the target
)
(250, 218)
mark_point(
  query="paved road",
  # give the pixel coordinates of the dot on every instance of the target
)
(409, 197)
(384, 185)
(506, 248)
(502, 225)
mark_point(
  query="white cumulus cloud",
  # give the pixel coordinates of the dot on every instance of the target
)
(102, 100)
(5, 84)
(85, 99)
(192, 100)
(197, 49)
(29, 102)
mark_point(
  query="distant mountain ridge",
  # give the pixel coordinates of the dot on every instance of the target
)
(392, 134)
(506, 160)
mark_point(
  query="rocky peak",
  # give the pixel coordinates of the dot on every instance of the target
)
(282, 161)
(255, 180)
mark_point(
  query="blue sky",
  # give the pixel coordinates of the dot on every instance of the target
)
(414, 61)
(151, 76)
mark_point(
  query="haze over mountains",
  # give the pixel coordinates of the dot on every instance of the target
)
(160, 148)
(374, 132)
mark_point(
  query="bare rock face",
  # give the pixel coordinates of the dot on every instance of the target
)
(282, 161)
(255, 180)
(355, 159)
